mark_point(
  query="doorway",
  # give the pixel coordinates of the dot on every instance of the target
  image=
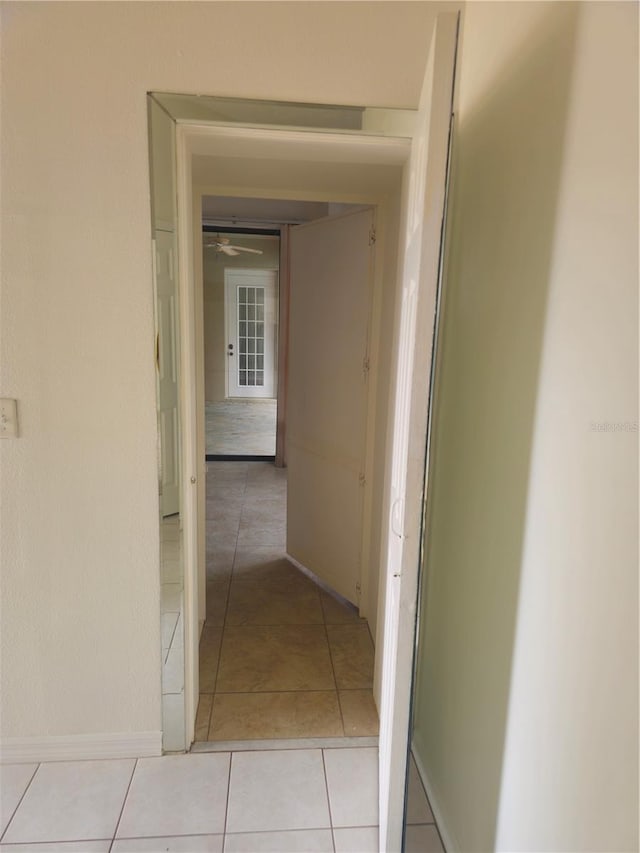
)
(240, 271)
(408, 151)
(282, 654)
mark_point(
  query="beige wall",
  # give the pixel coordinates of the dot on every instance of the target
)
(79, 515)
(215, 342)
(526, 708)
(573, 711)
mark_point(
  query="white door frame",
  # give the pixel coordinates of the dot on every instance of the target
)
(190, 136)
(403, 498)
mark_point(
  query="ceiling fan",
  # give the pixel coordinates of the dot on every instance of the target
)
(222, 244)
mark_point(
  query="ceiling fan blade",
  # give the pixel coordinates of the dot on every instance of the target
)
(244, 249)
(223, 245)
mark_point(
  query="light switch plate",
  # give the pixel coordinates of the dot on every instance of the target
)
(8, 418)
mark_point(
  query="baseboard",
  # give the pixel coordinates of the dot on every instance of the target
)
(20, 750)
(238, 457)
(448, 841)
(322, 584)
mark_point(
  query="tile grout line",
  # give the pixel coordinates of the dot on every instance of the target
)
(226, 608)
(226, 807)
(326, 787)
(124, 802)
(335, 680)
(24, 793)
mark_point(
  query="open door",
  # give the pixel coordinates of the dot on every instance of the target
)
(424, 202)
(330, 303)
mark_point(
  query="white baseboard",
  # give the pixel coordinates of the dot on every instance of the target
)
(323, 585)
(20, 750)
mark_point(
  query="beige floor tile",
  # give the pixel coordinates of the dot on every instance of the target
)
(274, 536)
(263, 510)
(418, 808)
(287, 841)
(290, 601)
(352, 783)
(358, 839)
(277, 790)
(203, 716)
(228, 470)
(209, 655)
(220, 569)
(337, 613)
(176, 795)
(221, 530)
(422, 839)
(359, 713)
(241, 427)
(239, 716)
(225, 491)
(266, 659)
(262, 564)
(218, 541)
(220, 506)
(217, 595)
(352, 656)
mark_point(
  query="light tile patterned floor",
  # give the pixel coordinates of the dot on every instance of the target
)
(241, 427)
(281, 800)
(279, 657)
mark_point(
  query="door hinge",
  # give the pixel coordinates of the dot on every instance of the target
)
(362, 479)
(366, 365)
(372, 236)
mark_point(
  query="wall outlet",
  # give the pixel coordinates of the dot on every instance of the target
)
(8, 418)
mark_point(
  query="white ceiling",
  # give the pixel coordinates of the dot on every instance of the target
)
(257, 210)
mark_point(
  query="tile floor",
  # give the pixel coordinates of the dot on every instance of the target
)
(297, 800)
(241, 427)
(279, 657)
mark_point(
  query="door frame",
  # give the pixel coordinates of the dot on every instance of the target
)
(407, 427)
(327, 148)
(389, 149)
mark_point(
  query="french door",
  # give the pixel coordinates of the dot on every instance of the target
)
(251, 320)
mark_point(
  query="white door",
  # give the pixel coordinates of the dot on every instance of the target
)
(252, 332)
(331, 283)
(167, 371)
(424, 209)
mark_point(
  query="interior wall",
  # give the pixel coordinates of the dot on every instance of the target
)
(215, 341)
(525, 710)
(573, 712)
(79, 545)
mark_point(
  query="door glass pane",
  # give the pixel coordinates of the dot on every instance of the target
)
(250, 336)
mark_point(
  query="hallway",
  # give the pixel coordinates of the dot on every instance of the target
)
(279, 657)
